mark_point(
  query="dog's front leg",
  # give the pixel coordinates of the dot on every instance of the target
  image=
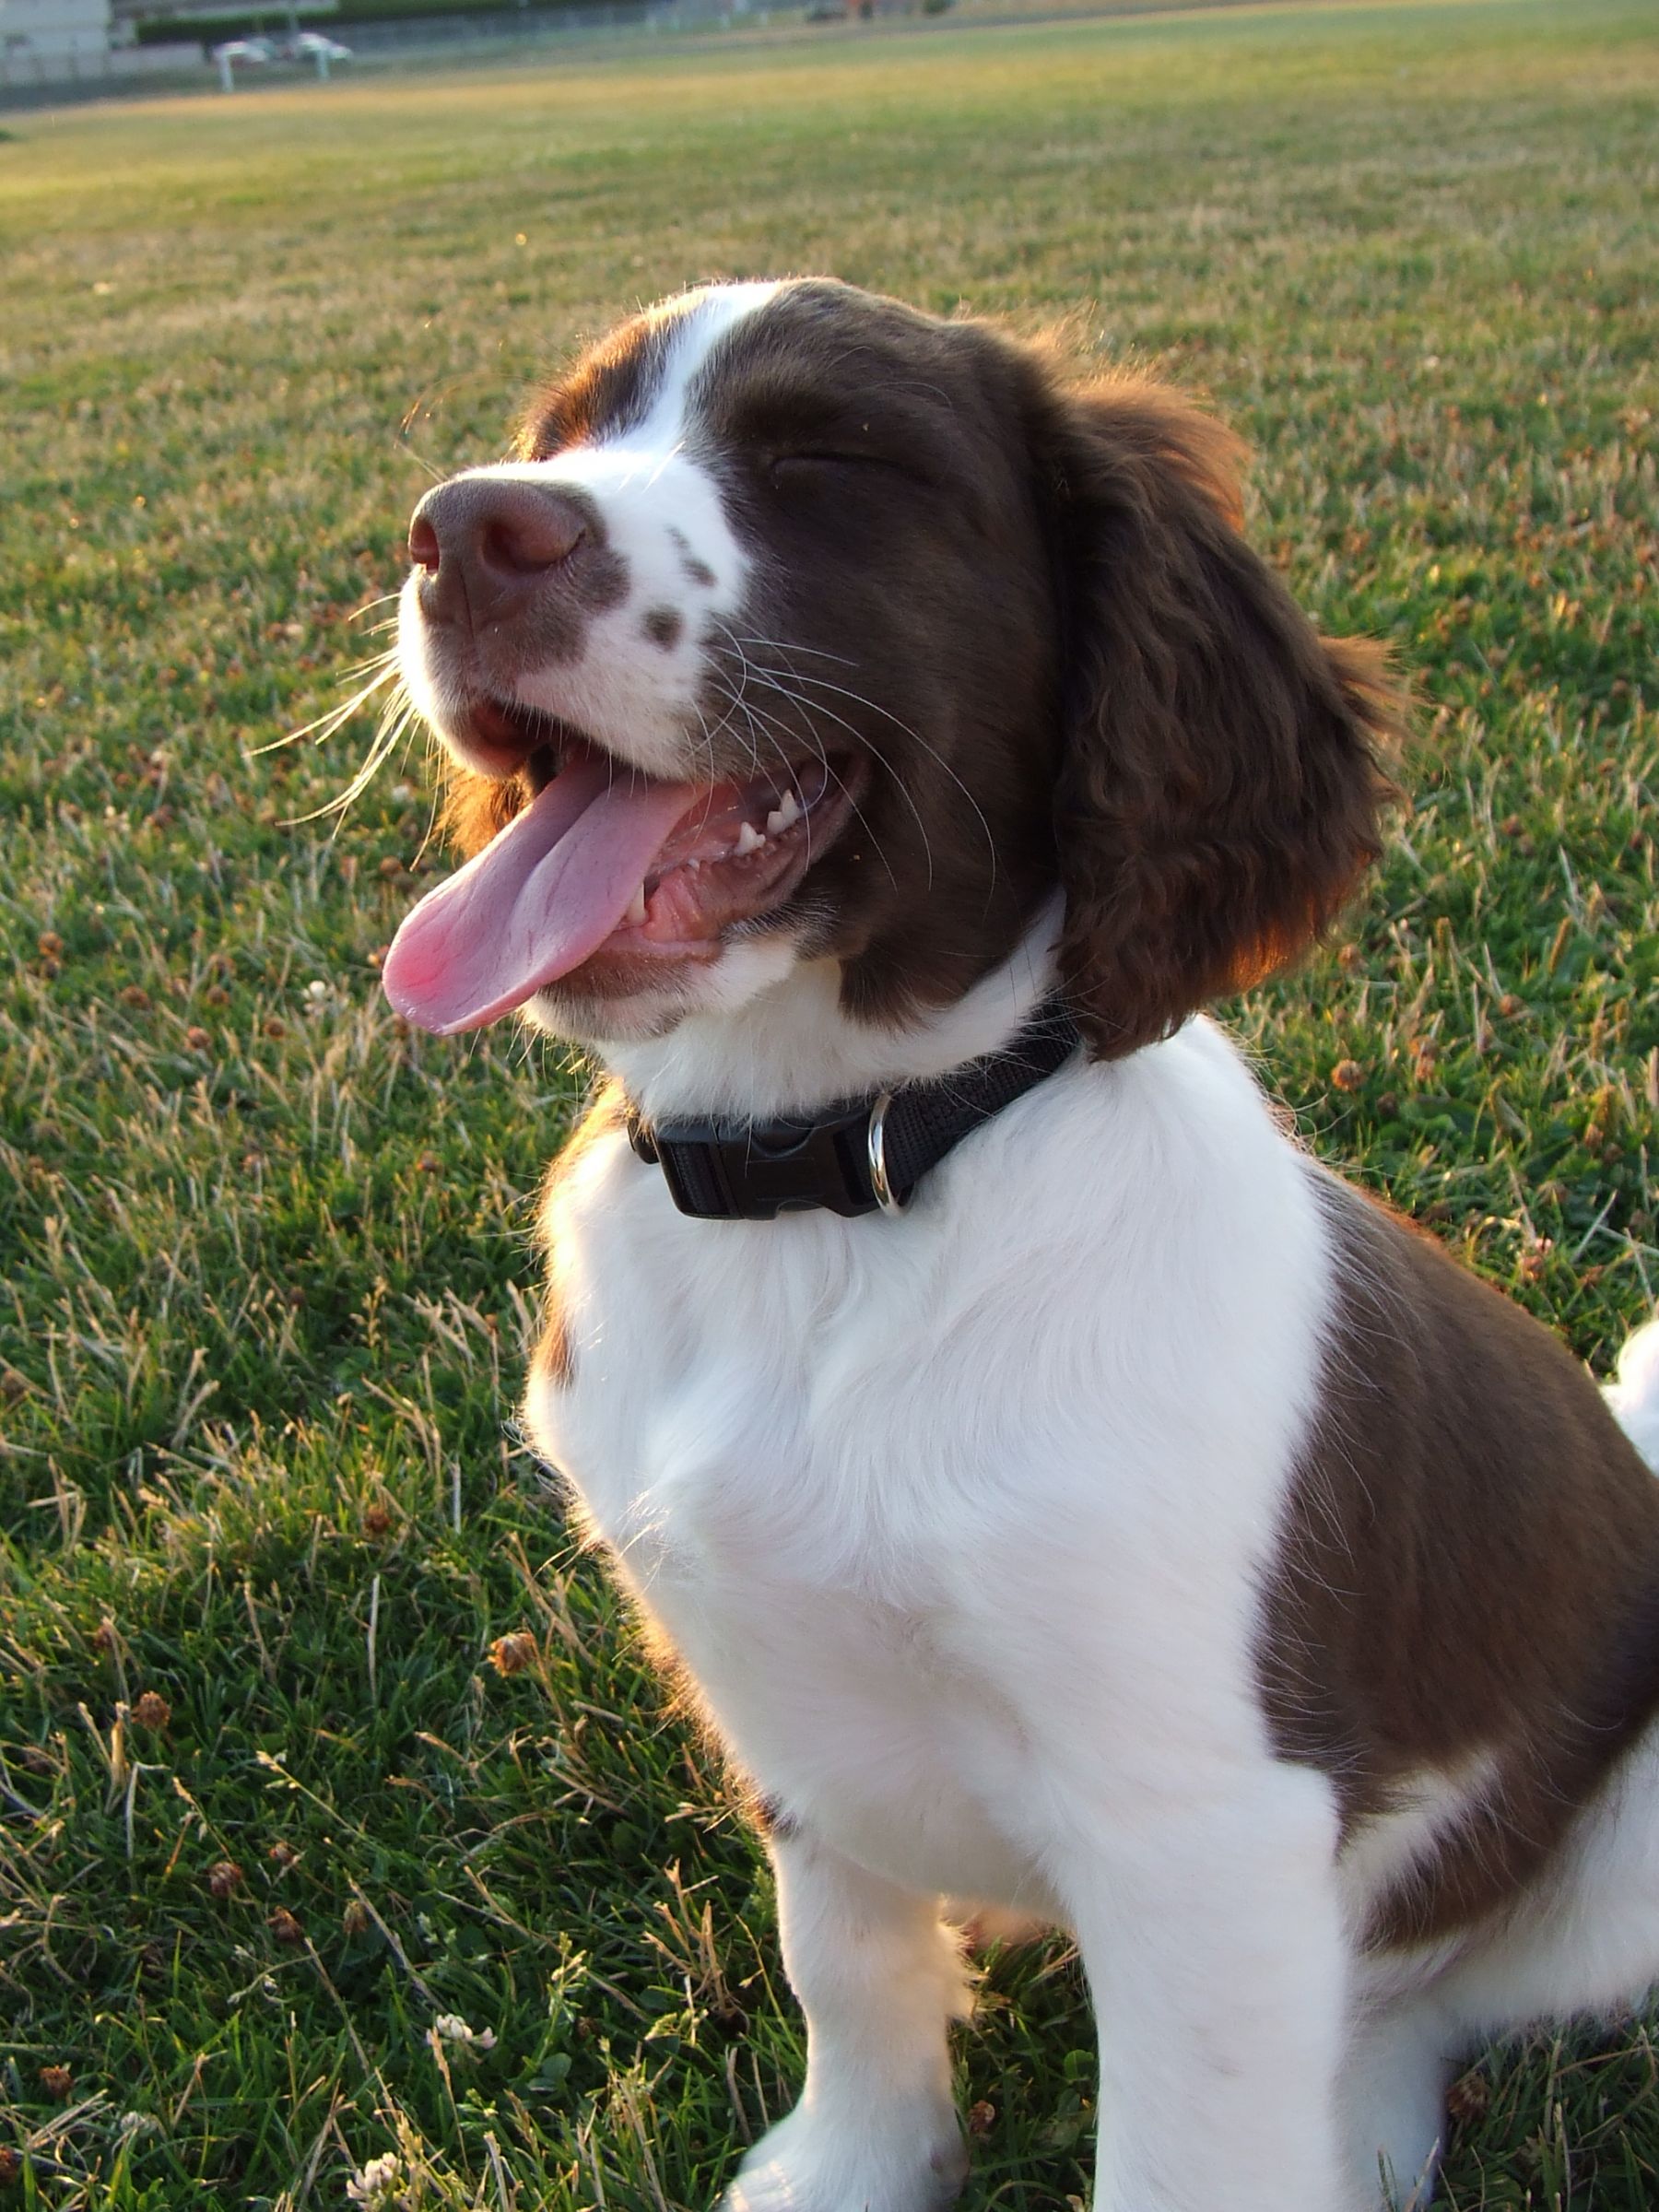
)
(1216, 1954)
(879, 1980)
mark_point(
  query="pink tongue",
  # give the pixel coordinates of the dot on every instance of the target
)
(540, 898)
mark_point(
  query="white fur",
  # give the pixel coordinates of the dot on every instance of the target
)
(959, 1521)
(1634, 1394)
(662, 509)
(1381, 1852)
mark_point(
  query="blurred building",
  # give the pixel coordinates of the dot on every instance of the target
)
(59, 37)
(50, 44)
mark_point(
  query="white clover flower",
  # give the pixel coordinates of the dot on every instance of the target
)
(132, 2124)
(450, 2028)
(381, 2186)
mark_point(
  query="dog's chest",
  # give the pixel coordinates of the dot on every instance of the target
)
(761, 1433)
(922, 1505)
(733, 1397)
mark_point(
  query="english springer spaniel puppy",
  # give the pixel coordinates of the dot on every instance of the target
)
(1064, 1494)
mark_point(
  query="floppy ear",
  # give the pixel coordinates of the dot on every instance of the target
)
(1220, 774)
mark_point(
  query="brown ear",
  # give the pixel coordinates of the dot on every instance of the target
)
(1221, 775)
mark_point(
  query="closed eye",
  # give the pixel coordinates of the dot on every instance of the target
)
(802, 467)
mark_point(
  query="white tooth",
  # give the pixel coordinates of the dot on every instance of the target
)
(788, 809)
(775, 822)
(636, 913)
(694, 864)
(750, 840)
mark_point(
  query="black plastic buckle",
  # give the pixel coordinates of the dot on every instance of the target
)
(754, 1174)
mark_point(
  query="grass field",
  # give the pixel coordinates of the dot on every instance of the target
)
(268, 1810)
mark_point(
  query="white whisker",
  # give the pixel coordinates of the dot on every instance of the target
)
(810, 708)
(324, 727)
(820, 683)
(368, 605)
(769, 725)
(398, 714)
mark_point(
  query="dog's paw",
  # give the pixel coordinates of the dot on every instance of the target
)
(908, 2161)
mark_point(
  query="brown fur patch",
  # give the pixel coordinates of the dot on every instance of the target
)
(1470, 1571)
(476, 808)
(1223, 776)
(768, 1816)
(611, 386)
(554, 1358)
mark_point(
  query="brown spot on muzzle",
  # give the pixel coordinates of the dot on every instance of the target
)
(694, 569)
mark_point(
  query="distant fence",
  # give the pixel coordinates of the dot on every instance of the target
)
(108, 67)
(527, 26)
(400, 34)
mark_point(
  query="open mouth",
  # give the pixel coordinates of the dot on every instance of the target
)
(606, 862)
(500, 733)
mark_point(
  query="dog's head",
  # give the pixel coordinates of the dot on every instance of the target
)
(809, 627)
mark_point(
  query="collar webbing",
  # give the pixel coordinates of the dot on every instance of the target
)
(856, 1156)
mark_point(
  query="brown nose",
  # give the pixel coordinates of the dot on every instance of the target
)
(489, 545)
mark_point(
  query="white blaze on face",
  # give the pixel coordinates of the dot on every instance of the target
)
(632, 686)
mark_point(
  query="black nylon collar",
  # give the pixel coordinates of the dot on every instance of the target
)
(856, 1156)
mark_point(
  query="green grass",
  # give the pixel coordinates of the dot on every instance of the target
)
(264, 1257)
